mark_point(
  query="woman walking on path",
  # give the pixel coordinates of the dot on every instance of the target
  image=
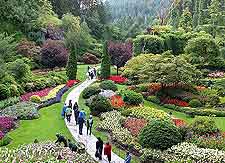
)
(70, 104)
(128, 158)
(108, 151)
(76, 112)
(68, 114)
(89, 124)
(99, 148)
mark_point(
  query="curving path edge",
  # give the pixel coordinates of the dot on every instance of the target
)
(87, 140)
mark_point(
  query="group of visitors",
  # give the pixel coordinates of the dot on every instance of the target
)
(107, 151)
(92, 73)
(79, 115)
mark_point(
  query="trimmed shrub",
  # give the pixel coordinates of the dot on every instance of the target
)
(89, 58)
(153, 99)
(35, 99)
(90, 91)
(4, 92)
(204, 125)
(5, 141)
(132, 98)
(170, 106)
(99, 105)
(108, 85)
(160, 135)
(195, 103)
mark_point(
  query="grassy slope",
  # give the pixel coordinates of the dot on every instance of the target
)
(49, 123)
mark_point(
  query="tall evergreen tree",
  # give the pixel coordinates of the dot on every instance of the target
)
(106, 62)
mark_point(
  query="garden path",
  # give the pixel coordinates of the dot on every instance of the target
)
(87, 140)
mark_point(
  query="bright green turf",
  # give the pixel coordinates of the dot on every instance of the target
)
(49, 123)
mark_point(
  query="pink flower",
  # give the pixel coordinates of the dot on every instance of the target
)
(42, 93)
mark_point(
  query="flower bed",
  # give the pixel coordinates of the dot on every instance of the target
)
(71, 83)
(118, 79)
(43, 152)
(53, 92)
(135, 125)
(6, 124)
(9, 102)
(175, 102)
(42, 93)
(178, 122)
(117, 102)
(184, 152)
(148, 113)
(217, 74)
(22, 111)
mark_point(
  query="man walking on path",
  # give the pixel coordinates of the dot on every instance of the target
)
(81, 120)
(99, 148)
(64, 111)
(76, 112)
(108, 151)
(89, 124)
(128, 158)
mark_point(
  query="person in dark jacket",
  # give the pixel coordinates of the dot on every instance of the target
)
(128, 158)
(76, 112)
(70, 104)
(61, 139)
(81, 120)
(89, 124)
(72, 146)
(99, 148)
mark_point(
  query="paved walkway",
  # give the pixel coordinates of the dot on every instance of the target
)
(87, 140)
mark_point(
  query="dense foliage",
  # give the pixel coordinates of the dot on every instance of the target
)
(108, 85)
(106, 62)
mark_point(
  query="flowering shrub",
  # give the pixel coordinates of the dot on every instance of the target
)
(107, 93)
(175, 102)
(155, 87)
(43, 152)
(217, 74)
(117, 101)
(178, 122)
(135, 125)
(184, 152)
(71, 83)
(35, 99)
(6, 124)
(112, 123)
(23, 110)
(118, 79)
(42, 93)
(148, 113)
(53, 92)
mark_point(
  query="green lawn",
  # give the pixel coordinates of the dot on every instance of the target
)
(49, 123)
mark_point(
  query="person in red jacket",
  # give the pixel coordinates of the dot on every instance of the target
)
(108, 151)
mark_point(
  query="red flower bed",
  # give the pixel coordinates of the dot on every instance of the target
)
(118, 79)
(178, 122)
(117, 101)
(42, 93)
(135, 125)
(175, 102)
(6, 123)
(71, 83)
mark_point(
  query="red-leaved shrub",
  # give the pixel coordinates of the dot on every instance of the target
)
(89, 58)
(71, 83)
(118, 79)
(175, 102)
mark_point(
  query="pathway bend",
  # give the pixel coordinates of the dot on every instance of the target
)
(87, 140)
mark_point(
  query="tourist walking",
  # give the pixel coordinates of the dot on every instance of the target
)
(64, 111)
(128, 158)
(76, 112)
(99, 148)
(89, 124)
(70, 104)
(95, 72)
(108, 151)
(68, 114)
(81, 120)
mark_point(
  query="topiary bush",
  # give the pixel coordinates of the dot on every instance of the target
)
(108, 85)
(132, 98)
(4, 92)
(99, 105)
(90, 91)
(153, 99)
(159, 134)
(195, 103)
(203, 125)
(35, 99)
